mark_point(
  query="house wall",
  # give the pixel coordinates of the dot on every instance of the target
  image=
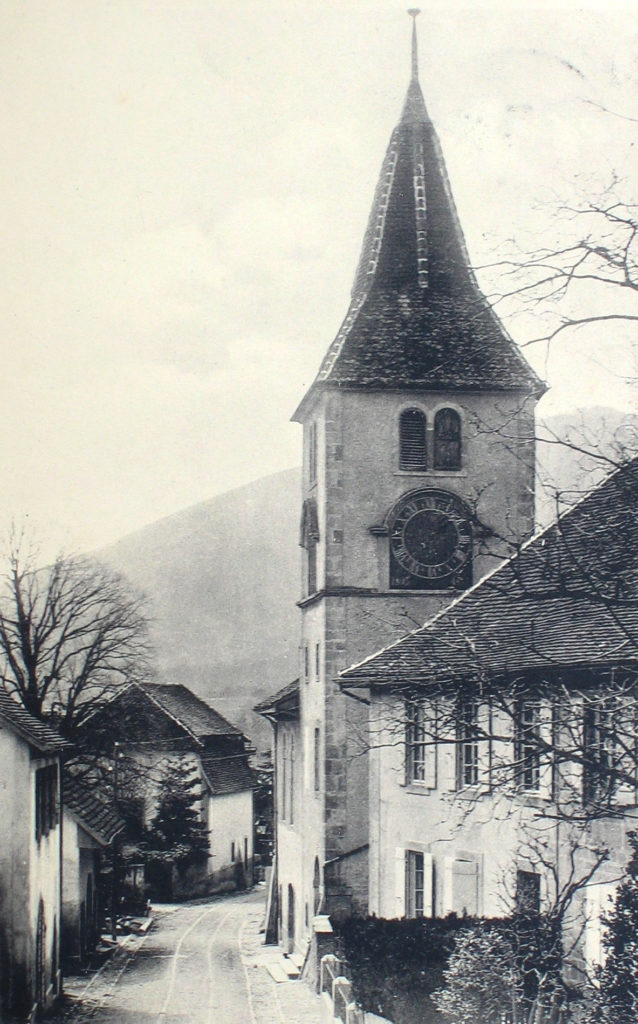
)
(80, 863)
(291, 911)
(29, 874)
(355, 613)
(475, 841)
(230, 820)
(45, 884)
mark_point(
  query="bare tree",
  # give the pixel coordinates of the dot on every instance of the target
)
(68, 634)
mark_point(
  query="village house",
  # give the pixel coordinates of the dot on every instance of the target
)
(503, 761)
(89, 828)
(30, 861)
(418, 478)
(147, 731)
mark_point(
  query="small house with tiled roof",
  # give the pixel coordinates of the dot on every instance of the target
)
(30, 861)
(418, 478)
(147, 727)
(90, 824)
(503, 732)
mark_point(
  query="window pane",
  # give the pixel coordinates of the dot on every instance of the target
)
(447, 439)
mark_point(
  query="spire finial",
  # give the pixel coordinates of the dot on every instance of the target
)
(413, 12)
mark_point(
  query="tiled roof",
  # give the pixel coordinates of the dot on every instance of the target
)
(283, 701)
(227, 773)
(198, 717)
(417, 318)
(94, 815)
(36, 733)
(568, 598)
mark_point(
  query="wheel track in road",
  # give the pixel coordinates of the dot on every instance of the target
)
(178, 949)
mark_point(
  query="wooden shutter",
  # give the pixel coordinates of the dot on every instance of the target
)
(412, 442)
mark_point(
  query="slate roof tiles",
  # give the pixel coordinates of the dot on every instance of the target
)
(36, 733)
(94, 815)
(569, 597)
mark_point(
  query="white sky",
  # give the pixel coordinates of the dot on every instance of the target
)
(185, 187)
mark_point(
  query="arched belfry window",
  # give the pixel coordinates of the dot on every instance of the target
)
(412, 443)
(447, 439)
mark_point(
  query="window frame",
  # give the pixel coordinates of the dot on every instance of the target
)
(442, 437)
(415, 861)
(467, 739)
(527, 741)
(420, 744)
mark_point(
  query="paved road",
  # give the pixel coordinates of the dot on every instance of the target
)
(187, 970)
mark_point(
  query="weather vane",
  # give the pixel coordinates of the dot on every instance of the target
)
(413, 11)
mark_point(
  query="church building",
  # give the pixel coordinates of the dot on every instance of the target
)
(418, 479)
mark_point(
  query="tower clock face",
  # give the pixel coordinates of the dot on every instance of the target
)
(431, 542)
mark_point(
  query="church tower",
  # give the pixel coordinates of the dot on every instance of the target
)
(418, 477)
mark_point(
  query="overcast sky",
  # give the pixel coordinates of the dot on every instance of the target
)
(185, 187)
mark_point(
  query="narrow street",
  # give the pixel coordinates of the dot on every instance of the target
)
(189, 968)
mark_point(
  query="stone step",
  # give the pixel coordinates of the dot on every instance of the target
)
(298, 959)
(290, 967)
(277, 972)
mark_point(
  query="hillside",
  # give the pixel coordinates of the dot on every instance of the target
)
(223, 580)
(223, 576)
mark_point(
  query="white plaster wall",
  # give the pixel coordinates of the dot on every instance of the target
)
(230, 819)
(500, 832)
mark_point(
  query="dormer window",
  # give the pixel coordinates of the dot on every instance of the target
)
(412, 443)
(447, 440)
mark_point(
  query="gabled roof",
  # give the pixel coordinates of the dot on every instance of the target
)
(227, 773)
(568, 598)
(37, 734)
(417, 318)
(283, 703)
(190, 711)
(98, 819)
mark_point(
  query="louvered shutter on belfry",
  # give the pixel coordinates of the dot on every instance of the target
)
(412, 440)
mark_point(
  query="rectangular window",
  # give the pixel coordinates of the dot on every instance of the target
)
(47, 811)
(420, 744)
(284, 774)
(312, 451)
(414, 884)
(317, 661)
(599, 754)
(527, 745)
(528, 893)
(317, 762)
(291, 782)
(306, 663)
(312, 567)
(467, 738)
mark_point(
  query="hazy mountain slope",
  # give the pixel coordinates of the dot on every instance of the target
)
(223, 579)
(575, 451)
(223, 576)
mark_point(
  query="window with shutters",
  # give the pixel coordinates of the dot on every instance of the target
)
(447, 440)
(599, 754)
(467, 738)
(412, 441)
(527, 741)
(420, 744)
(414, 884)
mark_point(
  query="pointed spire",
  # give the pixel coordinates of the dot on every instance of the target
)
(414, 12)
(414, 111)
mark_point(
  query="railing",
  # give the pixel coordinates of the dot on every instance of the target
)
(338, 989)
